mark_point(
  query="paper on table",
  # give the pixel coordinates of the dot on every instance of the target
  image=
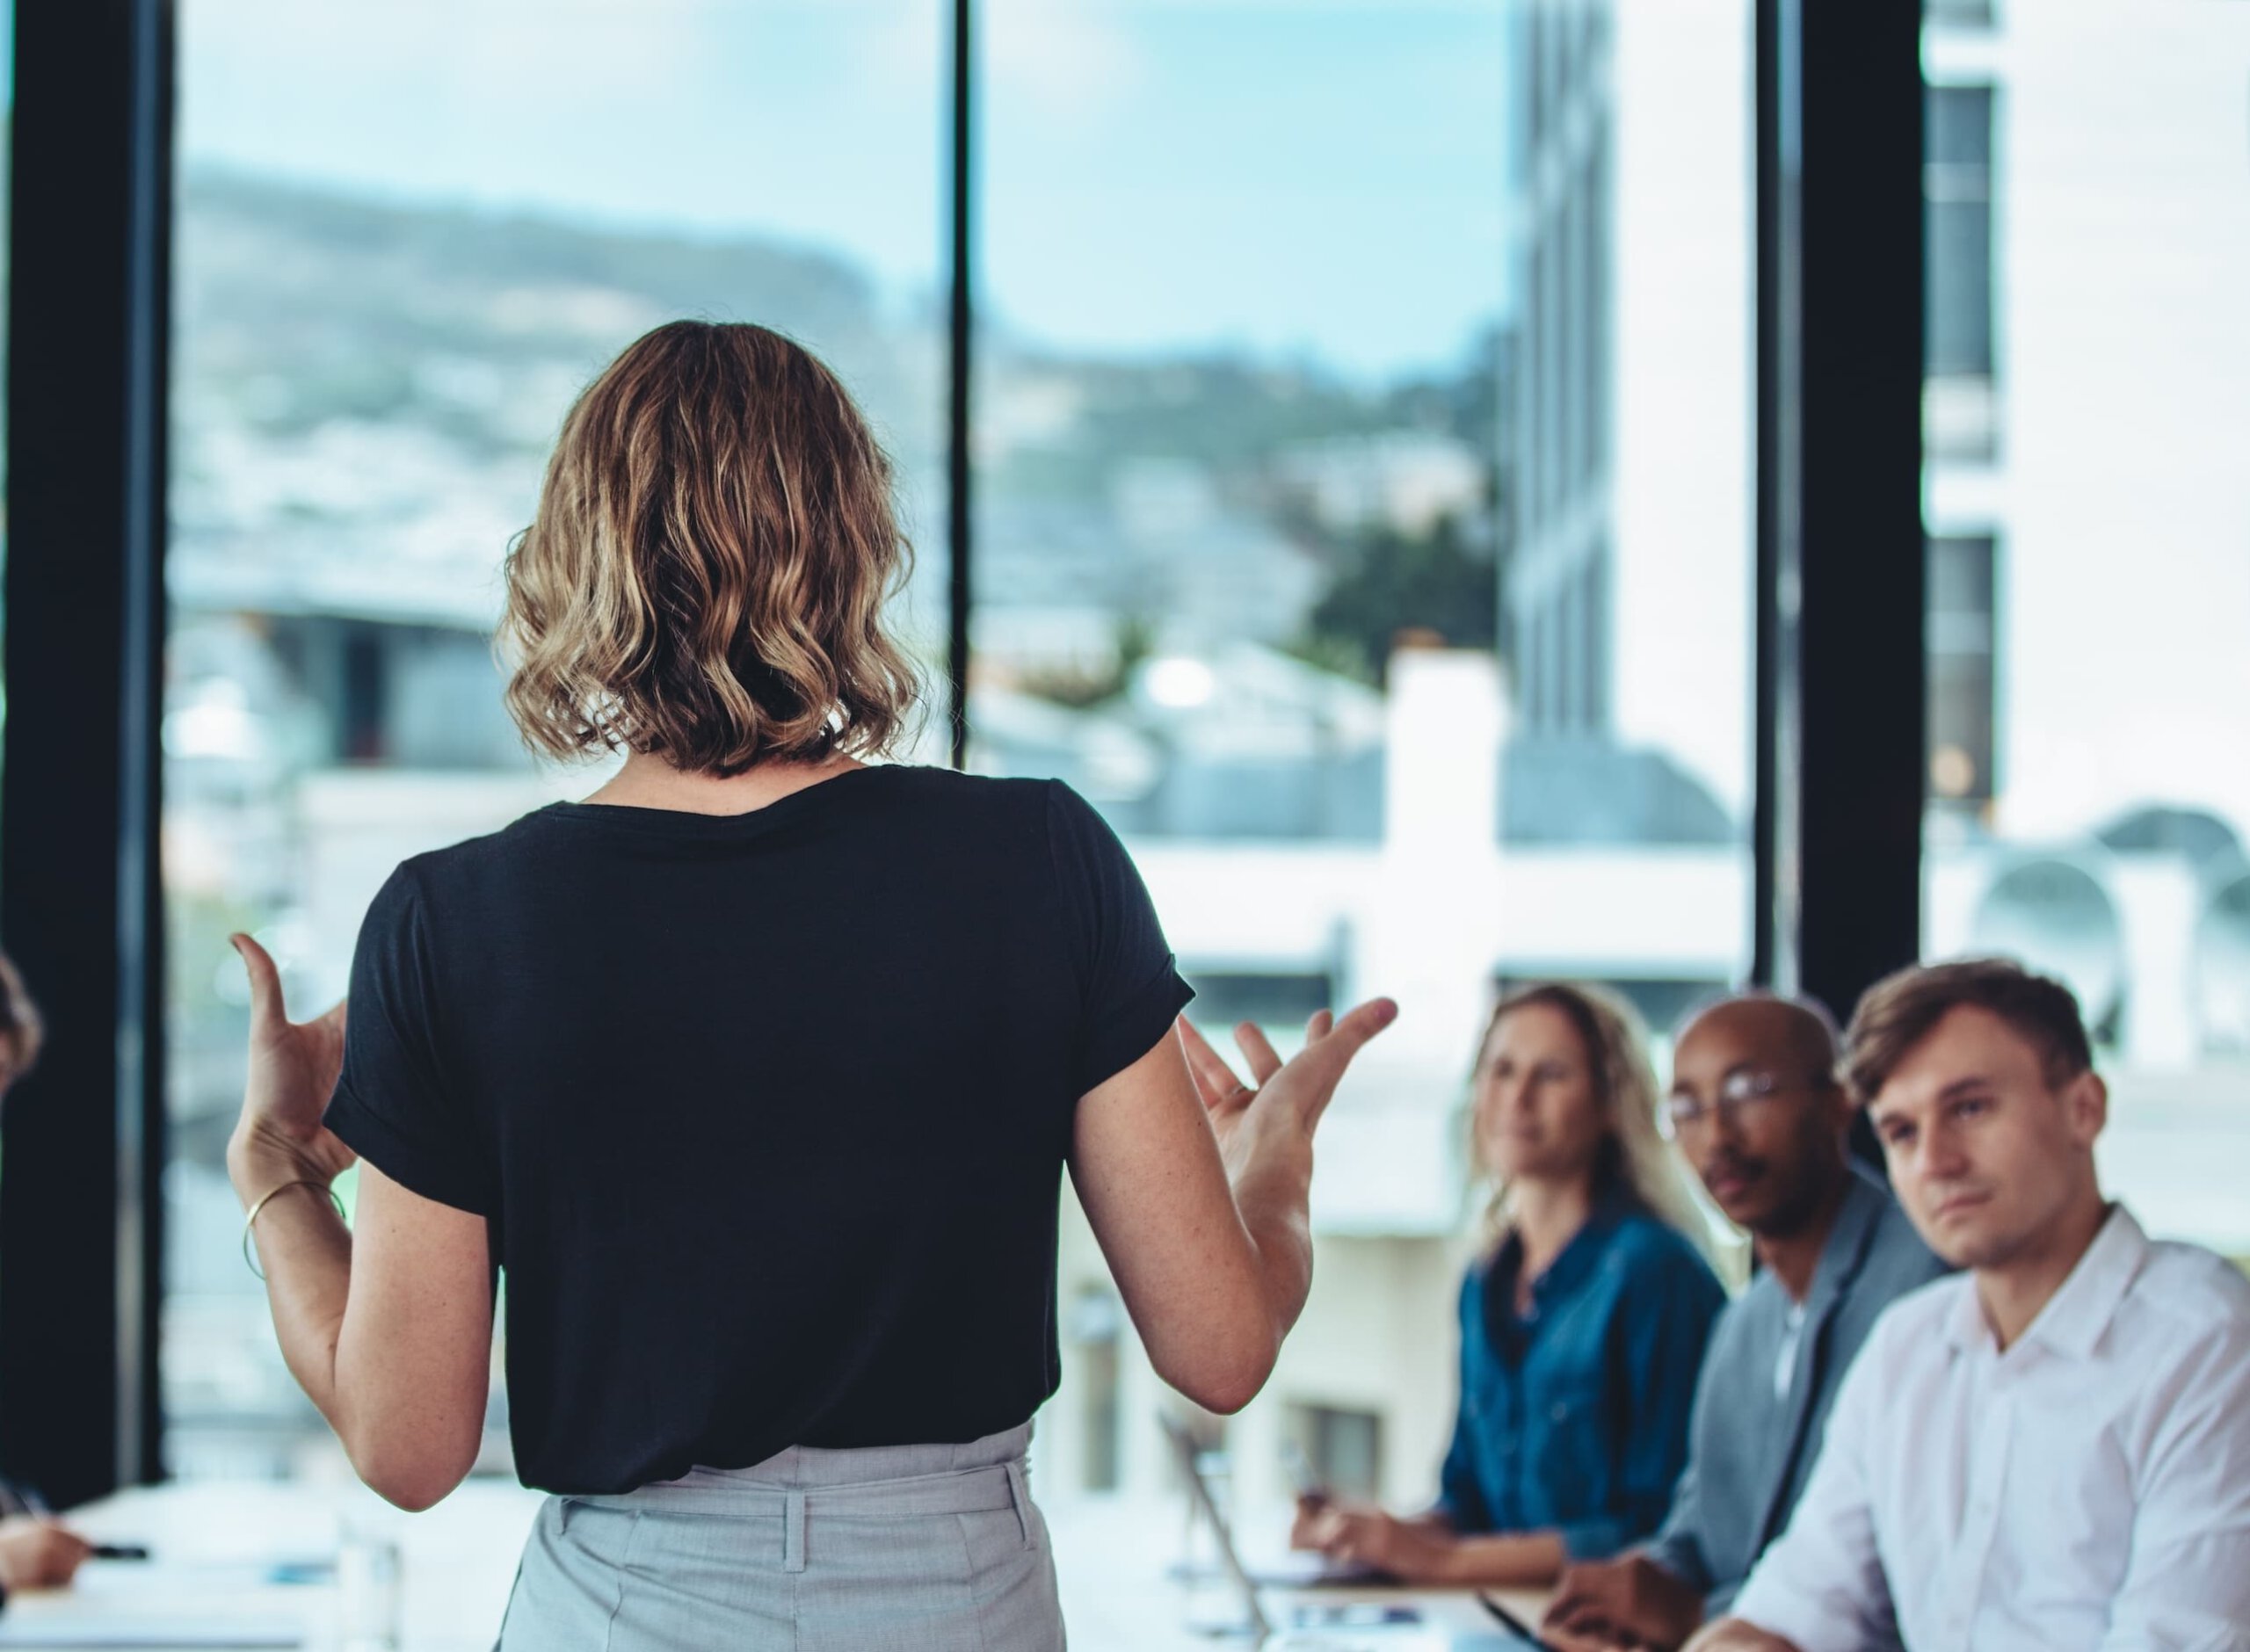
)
(140, 1604)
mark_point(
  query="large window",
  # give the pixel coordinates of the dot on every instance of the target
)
(406, 234)
(1363, 523)
(1361, 464)
(2091, 584)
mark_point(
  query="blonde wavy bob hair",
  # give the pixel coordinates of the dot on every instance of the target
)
(1634, 1158)
(706, 576)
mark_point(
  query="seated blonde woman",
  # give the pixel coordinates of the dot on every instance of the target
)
(1583, 1319)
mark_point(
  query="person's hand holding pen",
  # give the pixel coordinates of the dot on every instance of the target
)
(1365, 1534)
(1312, 1494)
(37, 1553)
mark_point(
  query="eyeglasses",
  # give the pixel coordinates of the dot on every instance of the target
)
(1742, 1095)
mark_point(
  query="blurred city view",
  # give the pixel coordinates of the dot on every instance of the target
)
(1411, 658)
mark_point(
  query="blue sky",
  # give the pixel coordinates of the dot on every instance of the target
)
(1296, 176)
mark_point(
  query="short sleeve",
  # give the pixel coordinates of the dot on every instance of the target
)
(1130, 991)
(392, 1105)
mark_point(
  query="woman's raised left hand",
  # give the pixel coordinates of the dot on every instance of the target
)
(294, 1065)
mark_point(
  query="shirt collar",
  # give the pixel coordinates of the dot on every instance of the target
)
(1965, 1326)
(2082, 1306)
(1578, 1256)
(2077, 1315)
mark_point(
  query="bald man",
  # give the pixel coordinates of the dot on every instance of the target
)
(1757, 1107)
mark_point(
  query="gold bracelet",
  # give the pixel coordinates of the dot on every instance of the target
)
(250, 1257)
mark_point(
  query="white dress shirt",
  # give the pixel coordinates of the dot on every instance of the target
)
(2089, 1488)
(1785, 1358)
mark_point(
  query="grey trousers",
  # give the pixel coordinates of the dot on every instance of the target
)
(892, 1549)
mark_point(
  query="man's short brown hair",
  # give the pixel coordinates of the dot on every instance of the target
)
(1901, 1009)
(706, 576)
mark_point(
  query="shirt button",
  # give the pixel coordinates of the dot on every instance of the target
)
(1557, 1412)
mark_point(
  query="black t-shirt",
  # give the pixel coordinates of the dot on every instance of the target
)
(768, 1111)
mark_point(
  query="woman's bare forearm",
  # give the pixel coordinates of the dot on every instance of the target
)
(1211, 1249)
(1272, 1192)
(306, 1251)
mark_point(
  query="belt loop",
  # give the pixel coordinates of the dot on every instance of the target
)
(1020, 1495)
(793, 1532)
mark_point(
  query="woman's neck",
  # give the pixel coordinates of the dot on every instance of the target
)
(1546, 1216)
(647, 781)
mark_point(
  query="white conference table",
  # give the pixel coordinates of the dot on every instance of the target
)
(211, 1581)
(1116, 1561)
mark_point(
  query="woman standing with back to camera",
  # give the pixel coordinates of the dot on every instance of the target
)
(759, 1071)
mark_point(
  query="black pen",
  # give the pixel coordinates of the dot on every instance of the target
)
(119, 1552)
(1513, 1624)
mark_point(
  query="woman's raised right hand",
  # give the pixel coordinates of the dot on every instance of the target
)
(1287, 1099)
(1211, 1241)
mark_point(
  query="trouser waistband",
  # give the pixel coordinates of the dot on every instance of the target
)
(957, 1491)
(987, 1475)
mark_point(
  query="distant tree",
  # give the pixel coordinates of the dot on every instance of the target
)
(1082, 690)
(1388, 582)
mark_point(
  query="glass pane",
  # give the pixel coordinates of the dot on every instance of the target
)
(1960, 641)
(1956, 187)
(2089, 583)
(1364, 417)
(406, 236)
(1958, 122)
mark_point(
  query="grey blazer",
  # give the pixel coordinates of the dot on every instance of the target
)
(1749, 1452)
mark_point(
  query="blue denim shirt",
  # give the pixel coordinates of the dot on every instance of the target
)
(1574, 1417)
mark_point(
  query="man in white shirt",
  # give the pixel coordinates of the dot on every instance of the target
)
(2051, 1450)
